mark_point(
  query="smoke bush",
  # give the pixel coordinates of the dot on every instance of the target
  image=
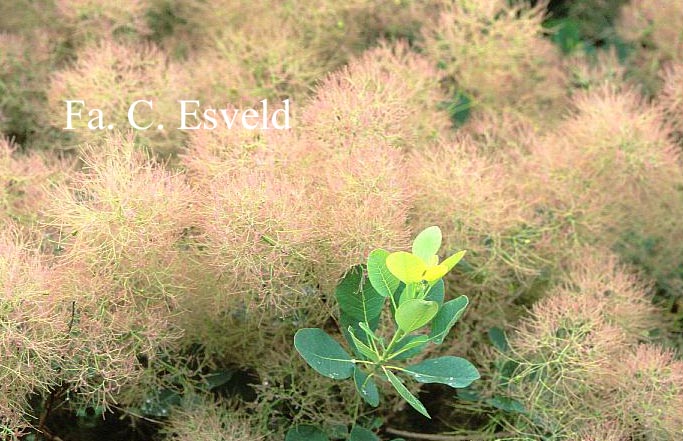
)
(92, 20)
(653, 27)
(650, 389)
(514, 249)
(114, 262)
(496, 53)
(117, 268)
(568, 351)
(111, 76)
(33, 329)
(203, 419)
(268, 211)
(671, 97)
(280, 217)
(292, 44)
(655, 24)
(389, 94)
(25, 61)
(24, 17)
(25, 179)
(613, 168)
(594, 71)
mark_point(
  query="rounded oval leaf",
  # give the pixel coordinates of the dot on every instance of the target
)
(366, 387)
(323, 353)
(435, 272)
(408, 268)
(415, 313)
(359, 433)
(384, 282)
(498, 339)
(427, 243)
(449, 313)
(437, 292)
(452, 371)
(305, 432)
(357, 298)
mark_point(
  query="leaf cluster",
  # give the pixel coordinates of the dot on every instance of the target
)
(413, 284)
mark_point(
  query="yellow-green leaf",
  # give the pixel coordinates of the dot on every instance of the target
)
(415, 313)
(453, 260)
(435, 272)
(384, 282)
(427, 243)
(408, 268)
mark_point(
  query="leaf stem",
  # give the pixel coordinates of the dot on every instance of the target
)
(393, 341)
(357, 408)
(393, 301)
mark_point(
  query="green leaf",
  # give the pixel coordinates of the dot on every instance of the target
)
(506, 404)
(345, 321)
(363, 348)
(375, 423)
(384, 282)
(507, 370)
(437, 292)
(366, 387)
(409, 292)
(357, 298)
(452, 371)
(498, 339)
(305, 432)
(409, 346)
(427, 243)
(470, 395)
(160, 403)
(218, 378)
(359, 433)
(368, 331)
(566, 35)
(459, 108)
(337, 431)
(415, 313)
(449, 313)
(405, 393)
(406, 267)
(323, 353)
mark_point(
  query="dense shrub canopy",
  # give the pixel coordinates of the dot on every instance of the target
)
(160, 275)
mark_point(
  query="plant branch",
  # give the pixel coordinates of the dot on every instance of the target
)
(49, 404)
(73, 315)
(437, 437)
